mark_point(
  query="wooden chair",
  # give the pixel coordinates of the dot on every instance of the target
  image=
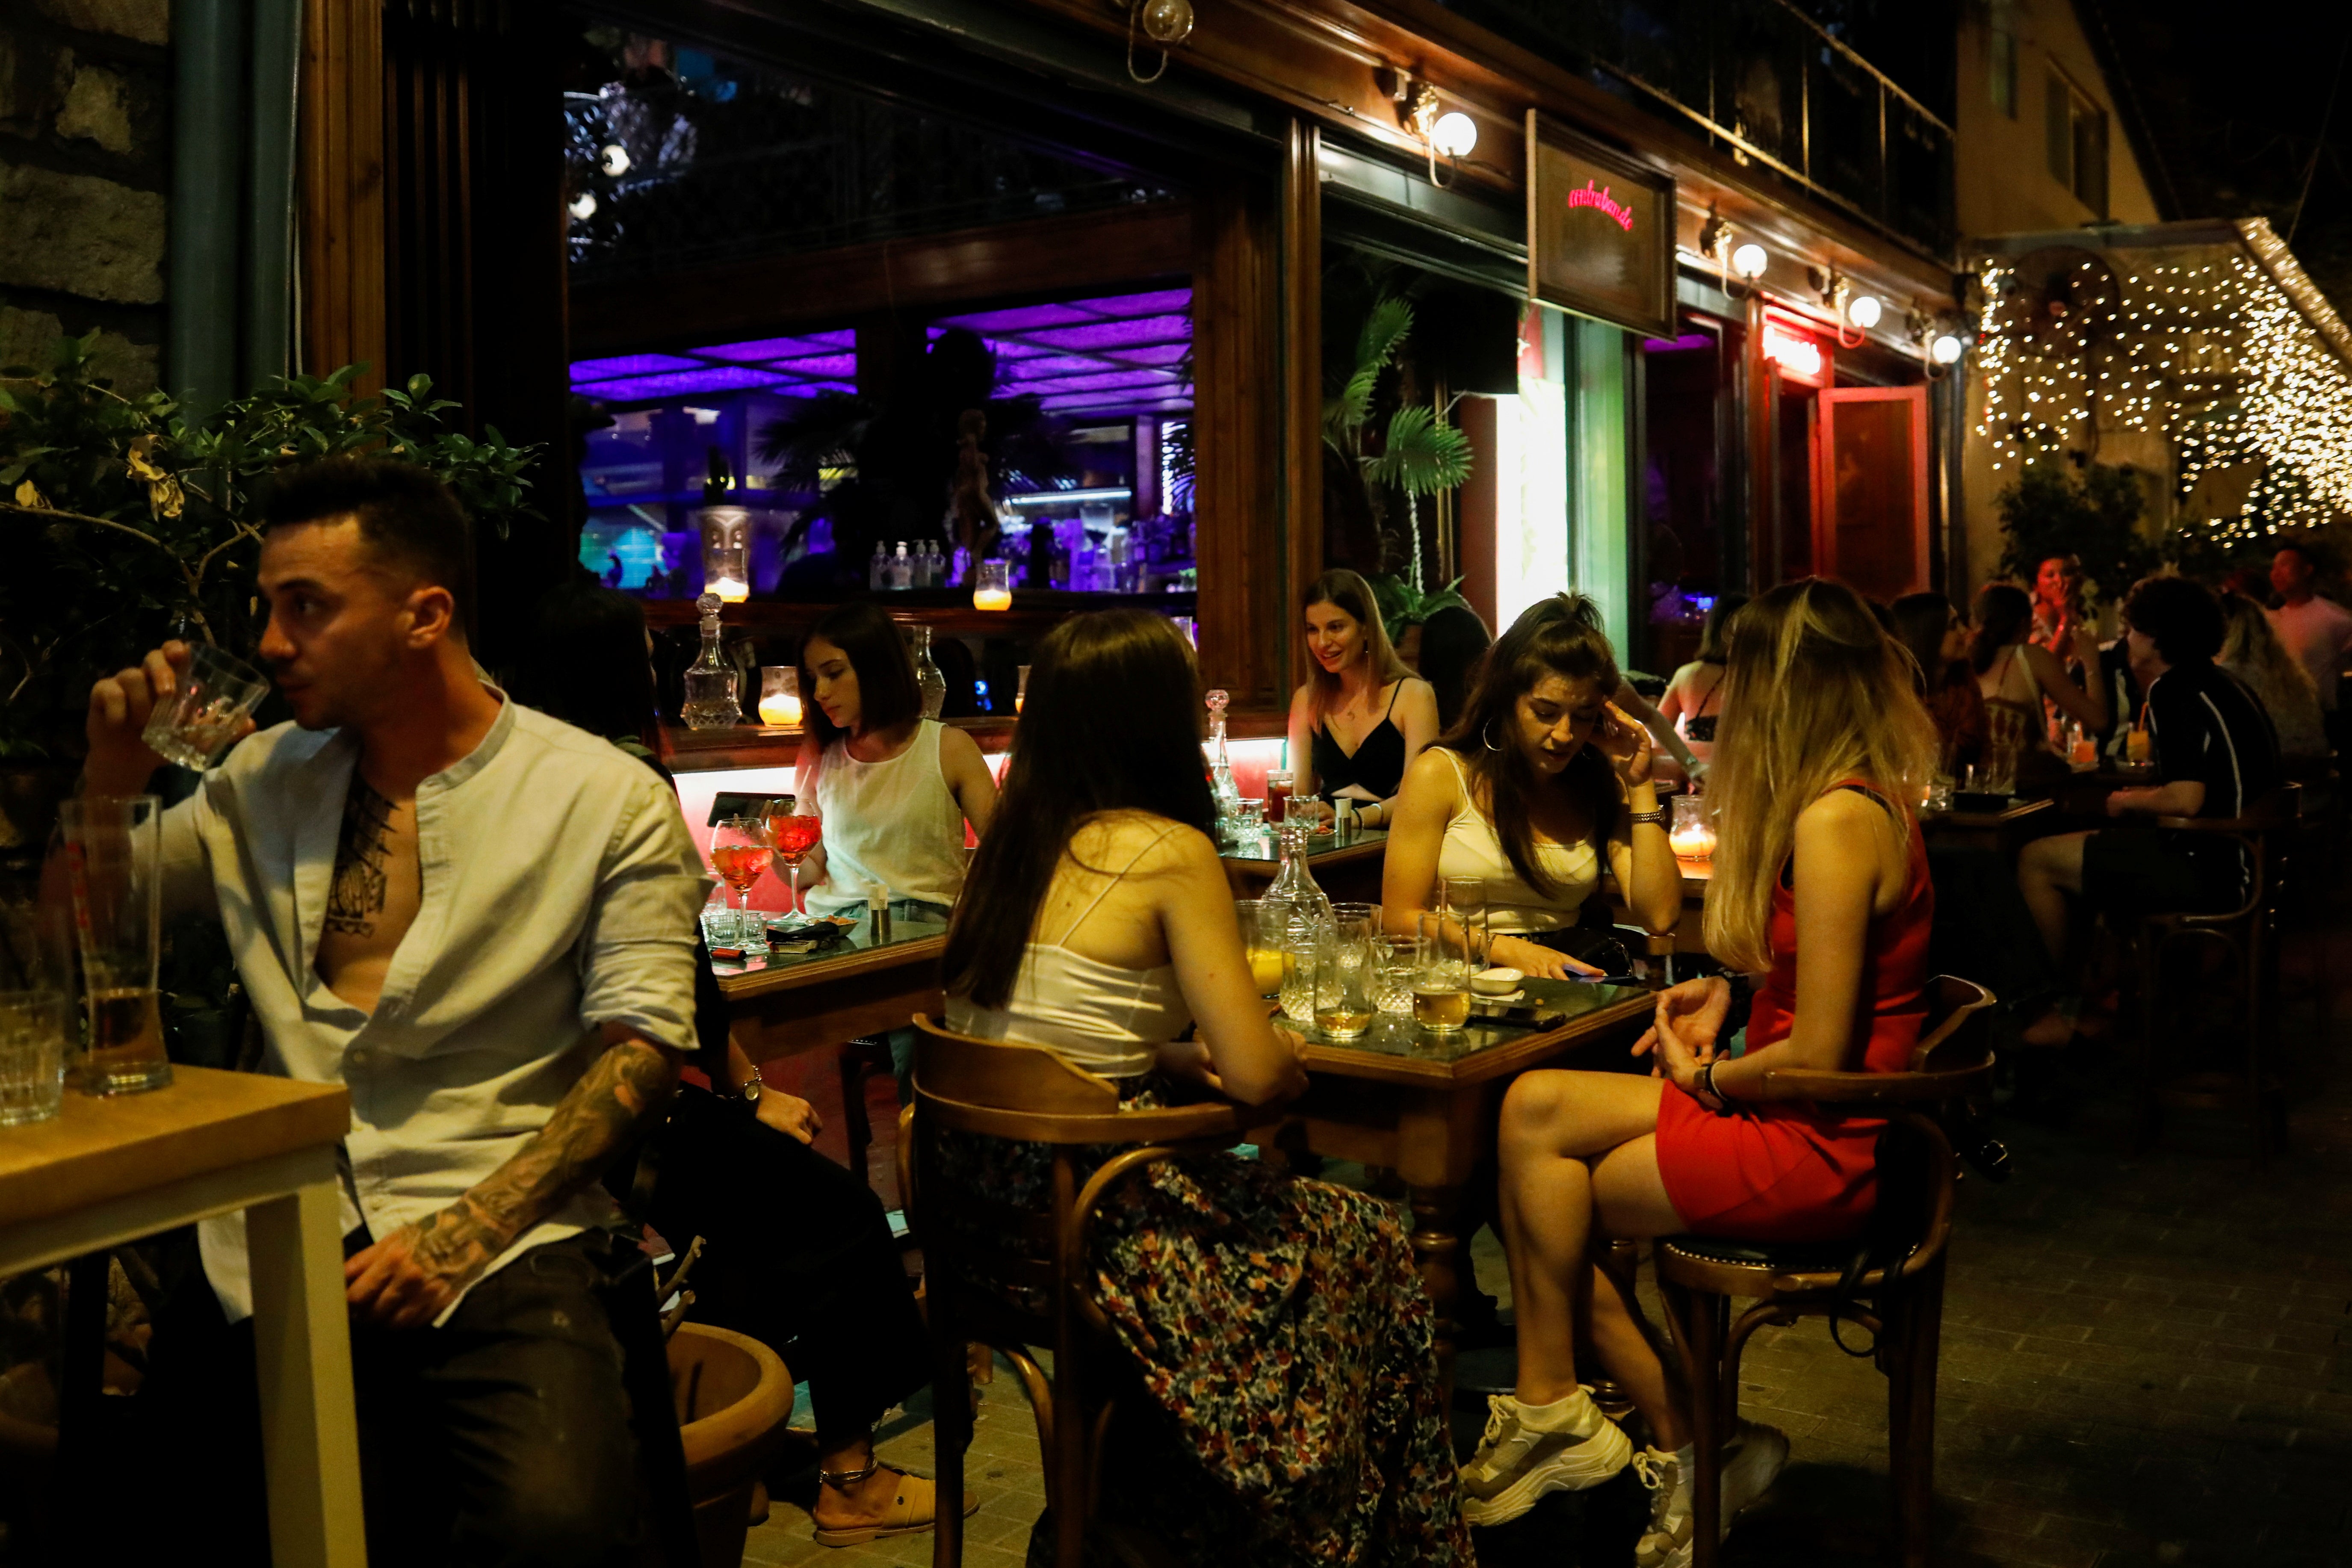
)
(1901, 1302)
(1026, 1093)
(2248, 933)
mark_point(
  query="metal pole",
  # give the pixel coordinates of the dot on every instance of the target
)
(207, 143)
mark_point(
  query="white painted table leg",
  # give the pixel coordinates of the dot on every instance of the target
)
(303, 1350)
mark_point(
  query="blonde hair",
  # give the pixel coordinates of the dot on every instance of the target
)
(1344, 590)
(1815, 693)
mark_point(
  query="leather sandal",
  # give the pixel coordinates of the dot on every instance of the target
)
(912, 1512)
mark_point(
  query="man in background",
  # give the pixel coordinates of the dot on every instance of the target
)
(2316, 630)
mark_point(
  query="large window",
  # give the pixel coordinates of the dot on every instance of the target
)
(2078, 143)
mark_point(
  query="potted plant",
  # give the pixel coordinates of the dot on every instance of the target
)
(1418, 452)
(127, 521)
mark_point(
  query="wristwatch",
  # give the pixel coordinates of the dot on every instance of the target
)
(751, 1091)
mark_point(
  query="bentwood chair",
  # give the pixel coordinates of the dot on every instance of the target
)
(1891, 1285)
(1011, 1277)
(2248, 934)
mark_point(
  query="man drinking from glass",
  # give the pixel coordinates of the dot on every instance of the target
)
(481, 921)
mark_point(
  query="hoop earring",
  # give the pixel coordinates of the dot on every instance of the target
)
(1486, 736)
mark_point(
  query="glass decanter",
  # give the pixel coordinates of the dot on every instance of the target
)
(1221, 768)
(710, 680)
(1299, 906)
(928, 678)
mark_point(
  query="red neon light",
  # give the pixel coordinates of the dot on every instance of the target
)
(1801, 356)
(1608, 205)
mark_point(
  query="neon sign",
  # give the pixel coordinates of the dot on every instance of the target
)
(1799, 356)
(1604, 202)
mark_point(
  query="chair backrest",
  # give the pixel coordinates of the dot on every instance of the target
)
(1010, 1089)
(1952, 1059)
(2261, 831)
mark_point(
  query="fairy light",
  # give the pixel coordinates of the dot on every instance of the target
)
(2231, 359)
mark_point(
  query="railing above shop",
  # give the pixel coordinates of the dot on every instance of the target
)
(1775, 88)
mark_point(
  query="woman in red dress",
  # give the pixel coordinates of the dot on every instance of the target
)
(1824, 746)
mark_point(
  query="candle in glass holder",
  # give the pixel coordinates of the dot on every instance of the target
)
(780, 695)
(1021, 692)
(992, 587)
(1691, 836)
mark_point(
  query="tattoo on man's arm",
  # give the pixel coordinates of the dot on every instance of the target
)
(628, 1084)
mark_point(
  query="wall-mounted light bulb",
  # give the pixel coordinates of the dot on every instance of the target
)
(1454, 134)
(1749, 260)
(1945, 350)
(614, 160)
(1863, 310)
(583, 206)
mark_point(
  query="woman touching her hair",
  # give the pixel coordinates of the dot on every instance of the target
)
(1821, 883)
(1540, 779)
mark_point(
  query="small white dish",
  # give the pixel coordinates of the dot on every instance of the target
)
(1496, 982)
(1481, 999)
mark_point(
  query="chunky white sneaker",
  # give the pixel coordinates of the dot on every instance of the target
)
(1666, 1542)
(1514, 1467)
(1752, 1459)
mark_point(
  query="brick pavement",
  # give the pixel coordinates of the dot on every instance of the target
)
(2144, 1362)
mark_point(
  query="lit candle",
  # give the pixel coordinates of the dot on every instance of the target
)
(1693, 843)
(729, 590)
(992, 587)
(780, 708)
(992, 599)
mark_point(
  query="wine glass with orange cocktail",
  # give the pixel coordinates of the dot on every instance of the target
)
(793, 836)
(740, 853)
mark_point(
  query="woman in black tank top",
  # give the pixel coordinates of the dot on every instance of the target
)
(1361, 716)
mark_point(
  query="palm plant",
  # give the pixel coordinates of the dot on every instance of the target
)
(1420, 454)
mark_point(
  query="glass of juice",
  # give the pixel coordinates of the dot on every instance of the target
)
(740, 853)
(114, 868)
(1265, 951)
(1278, 785)
(1441, 984)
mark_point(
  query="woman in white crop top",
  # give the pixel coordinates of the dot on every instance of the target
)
(1538, 778)
(1097, 923)
(894, 789)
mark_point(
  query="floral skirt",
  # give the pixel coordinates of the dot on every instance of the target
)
(1279, 1329)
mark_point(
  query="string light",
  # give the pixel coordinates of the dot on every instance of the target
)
(2231, 359)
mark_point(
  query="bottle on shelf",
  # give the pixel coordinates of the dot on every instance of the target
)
(1037, 556)
(711, 681)
(902, 568)
(877, 570)
(928, 678)
(935, 565)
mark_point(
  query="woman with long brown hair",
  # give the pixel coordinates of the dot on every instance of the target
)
(1542, 784)
(1825, 746)
(1275, 1326)
(1361, 716)
(2017, 676)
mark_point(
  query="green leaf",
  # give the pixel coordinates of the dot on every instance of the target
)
(1423, 454)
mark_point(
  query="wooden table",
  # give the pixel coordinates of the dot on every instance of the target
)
(1426, 1106)
(107, 1172)
(785, 1004)
(1347, 867)
(2005, 830)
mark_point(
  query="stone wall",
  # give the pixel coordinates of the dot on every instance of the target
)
(85, 171)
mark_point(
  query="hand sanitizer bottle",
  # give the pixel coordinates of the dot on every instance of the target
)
(877, 570)
(902, 568)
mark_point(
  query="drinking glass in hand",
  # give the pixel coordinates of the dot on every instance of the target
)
(216, 694)
(740, 853)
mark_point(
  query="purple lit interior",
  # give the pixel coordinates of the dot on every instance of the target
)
(1113, 355)
(629, 365)
(1671, 345)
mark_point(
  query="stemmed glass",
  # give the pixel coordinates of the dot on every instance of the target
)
(740, 853)
(793, 836)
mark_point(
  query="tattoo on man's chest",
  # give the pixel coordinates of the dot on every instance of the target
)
(362, 854)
